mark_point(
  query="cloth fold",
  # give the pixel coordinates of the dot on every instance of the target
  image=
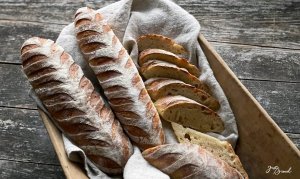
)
(130, 19)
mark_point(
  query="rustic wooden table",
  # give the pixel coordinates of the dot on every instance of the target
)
(260, 41)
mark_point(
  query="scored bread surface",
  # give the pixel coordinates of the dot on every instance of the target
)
(77, 109)
(156, 68)
(119, 79)
(221, 149)
(189, 161)
(162, 55)
(150, 41)
(161, 87)
(189, 113)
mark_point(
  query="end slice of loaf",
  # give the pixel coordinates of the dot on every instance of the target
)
(161, 87)
(156, 68)
(189, 161)
(162, 55)
(189, 113)
(221, 149)
(160, 42)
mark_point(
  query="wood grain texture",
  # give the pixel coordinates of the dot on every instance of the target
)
(14, 33)
(57, 11)
(21, 170)
(280, 99)
(250, 62)
(263, 23)
(24, 138)
(295, 138)
(14, 87)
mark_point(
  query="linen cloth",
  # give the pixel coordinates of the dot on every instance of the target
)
(130, 19)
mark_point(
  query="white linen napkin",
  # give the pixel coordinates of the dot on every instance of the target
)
(130, 19)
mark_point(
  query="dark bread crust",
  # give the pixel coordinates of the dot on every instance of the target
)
(76, 108)
(189, 161)
(120, 79)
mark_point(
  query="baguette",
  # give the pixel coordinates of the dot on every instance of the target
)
(161, 87)
(188, 161)
(189, 113)
(119, 78)
(150, 41)
(162, 55)
(156, 68)
(218, 148)
(76, 108)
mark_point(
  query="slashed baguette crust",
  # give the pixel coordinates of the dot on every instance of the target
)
(189, 113)
(119, 79)
(77, 109)
(189, 161)
(156, 68)
(149, 41)
(162, 55)
(218, 148)
(161, 87)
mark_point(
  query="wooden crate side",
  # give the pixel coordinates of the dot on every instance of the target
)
(71, 170)
(261, 142)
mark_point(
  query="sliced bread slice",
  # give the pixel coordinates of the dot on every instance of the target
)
(162, 55)
(221, 149)
(156, 68)
(160, 42)
(189, 113)
(161, 87)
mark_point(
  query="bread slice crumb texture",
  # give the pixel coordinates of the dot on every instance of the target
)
(161, 87)
(162, 55)
(189, 113)
(149, 41)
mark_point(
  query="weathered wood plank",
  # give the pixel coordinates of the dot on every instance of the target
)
(263, 23)
(13, 34)
(295, 138)
(21, 170)
(280, 99)
(24, 138)
(42, 11)
(14, 87)
(250, 62)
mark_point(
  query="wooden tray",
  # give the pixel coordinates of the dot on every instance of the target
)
(261, 143)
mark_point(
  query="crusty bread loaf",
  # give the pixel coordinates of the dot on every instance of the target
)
(76, 108)
(221, 149)
(161, 87)
(189, 113)
(162, 55)
(119, 79)
(189, 161)
(156, 68)
(150, 41)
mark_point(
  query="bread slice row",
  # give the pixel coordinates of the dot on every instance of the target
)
(157, 68)
(182, 99)
(173, 83)
(161, 87)
(166, 56)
